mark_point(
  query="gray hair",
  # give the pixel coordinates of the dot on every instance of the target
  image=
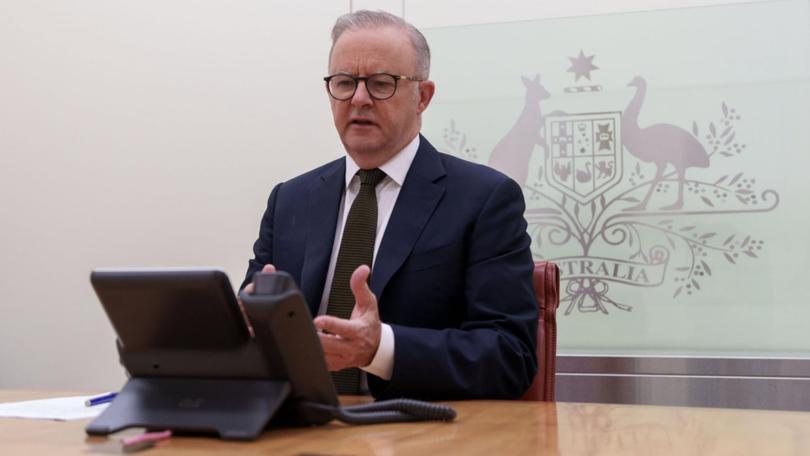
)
(365, 19)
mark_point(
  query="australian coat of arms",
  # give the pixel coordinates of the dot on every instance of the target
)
(612, 201)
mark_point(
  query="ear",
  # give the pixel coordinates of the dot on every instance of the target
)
(426, 91)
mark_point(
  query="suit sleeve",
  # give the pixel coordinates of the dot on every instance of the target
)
(492, 354)
(263, 247)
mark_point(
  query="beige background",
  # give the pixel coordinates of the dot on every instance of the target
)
(149, 133)
(141, 133)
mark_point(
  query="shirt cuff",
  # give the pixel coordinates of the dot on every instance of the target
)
(383, 363)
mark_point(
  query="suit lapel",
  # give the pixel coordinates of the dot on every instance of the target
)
(323, 204)
(418, 198)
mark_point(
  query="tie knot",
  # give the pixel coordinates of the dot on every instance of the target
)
(371, 176)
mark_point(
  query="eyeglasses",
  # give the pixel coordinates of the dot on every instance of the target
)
(380, 86)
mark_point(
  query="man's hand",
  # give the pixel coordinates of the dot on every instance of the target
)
(249, 287)
(353, 342)
(249, 290)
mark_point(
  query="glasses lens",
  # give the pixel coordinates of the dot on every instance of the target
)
(342, 87)
(382, 86)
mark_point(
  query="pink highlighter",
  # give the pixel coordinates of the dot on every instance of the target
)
(144, 441)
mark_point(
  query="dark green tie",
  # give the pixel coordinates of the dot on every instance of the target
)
(356, 248)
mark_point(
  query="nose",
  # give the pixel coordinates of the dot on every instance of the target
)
(361, 96)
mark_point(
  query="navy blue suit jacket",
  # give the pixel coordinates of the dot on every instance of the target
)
(453, 274)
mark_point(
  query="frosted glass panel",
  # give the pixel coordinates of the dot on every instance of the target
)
(664, 159)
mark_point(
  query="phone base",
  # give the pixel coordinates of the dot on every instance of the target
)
(235, 409)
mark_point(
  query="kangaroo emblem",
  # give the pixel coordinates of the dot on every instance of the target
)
(512, 153)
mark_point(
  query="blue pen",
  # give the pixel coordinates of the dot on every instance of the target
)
(103, 399)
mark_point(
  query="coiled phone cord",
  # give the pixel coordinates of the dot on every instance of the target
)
(390, 411)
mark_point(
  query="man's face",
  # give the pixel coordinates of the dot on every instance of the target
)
(373, 131)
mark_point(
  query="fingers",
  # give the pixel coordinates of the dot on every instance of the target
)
(363, 297)
(244, 315)
(249, 288)
(333, 353)
(338, 352)
(334, 345)
(352, 342)
(349, 343)
(346, 329)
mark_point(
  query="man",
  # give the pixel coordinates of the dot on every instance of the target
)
(447, 308)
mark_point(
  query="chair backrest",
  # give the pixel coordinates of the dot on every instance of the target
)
(547, 290)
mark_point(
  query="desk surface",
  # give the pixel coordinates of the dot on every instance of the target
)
(482, 427)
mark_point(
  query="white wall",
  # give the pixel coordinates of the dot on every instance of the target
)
(150, 133)
(445, 13)
(141, 133)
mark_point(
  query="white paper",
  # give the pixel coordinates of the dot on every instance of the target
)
(58, 408)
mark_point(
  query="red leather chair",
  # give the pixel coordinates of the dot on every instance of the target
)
(547, 290)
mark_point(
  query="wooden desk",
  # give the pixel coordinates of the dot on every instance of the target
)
(483, 427)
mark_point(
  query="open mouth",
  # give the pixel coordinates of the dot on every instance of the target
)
(362, 123)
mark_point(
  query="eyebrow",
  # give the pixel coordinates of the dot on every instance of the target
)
(349, 73)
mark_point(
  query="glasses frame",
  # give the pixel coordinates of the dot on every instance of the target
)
(365, 79)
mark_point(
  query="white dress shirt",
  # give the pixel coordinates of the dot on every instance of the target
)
(387, 192)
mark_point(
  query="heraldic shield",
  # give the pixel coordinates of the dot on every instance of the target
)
(584, 154)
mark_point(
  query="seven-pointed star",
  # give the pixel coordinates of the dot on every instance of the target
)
(582, 66)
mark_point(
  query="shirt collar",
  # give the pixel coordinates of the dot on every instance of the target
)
(396, 168)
